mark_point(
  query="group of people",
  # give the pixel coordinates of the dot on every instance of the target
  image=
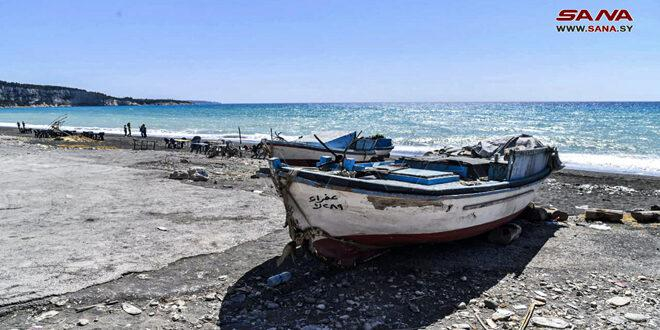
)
(127, 130)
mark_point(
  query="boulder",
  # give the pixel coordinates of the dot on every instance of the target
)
(198, 174)
(557, 215)
(535, 213)
(646, 216)
(604, 215)
(179, 175)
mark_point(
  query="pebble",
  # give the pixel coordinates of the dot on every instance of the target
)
(57, 301)
(461, 305)
(130, 309)
(153, 303)
(490, 304)
(162, 228)
(618, 301)
(501, 314)
(636, 317)
(461, 326)
(616, 320)
(320, 306)
(519, 307)
(83, 322)
(210, 296)
(46, 315)
(550, 322)
(272, 305)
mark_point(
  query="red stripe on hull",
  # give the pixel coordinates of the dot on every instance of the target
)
(369, 246)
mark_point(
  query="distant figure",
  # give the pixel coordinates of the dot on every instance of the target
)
(129, 129)
(143, 130)
(125, 131)
(19, 125)
(23, 125)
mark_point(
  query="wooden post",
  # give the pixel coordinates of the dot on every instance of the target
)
(240, 142)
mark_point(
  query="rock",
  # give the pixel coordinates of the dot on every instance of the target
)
(83, 322)
(646, 216)
(636, 317)
(162, 228)
(618, 301)
(272, 305)
(550, 322)
(504, 234)
(461, 305)
(501, 314)
(46, 315)
(490, 304)
(604, 215)
(130, 309)
(600, 227)
(320, 306)
(463, 278)
(559, 216)
(655, 207)
(616, 320)
(58, 301)
(461, 326)
(519, 307)
(198, 174)
(210, 296)
(179, 175)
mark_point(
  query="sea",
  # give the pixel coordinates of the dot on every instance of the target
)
(618, 137)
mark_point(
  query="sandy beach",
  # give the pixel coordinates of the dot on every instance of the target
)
(91, 229)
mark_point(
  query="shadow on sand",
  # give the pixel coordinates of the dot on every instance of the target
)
(409, 287)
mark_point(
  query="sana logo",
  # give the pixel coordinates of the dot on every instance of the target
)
(584, 14)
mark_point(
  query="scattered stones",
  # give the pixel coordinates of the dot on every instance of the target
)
(83, 322)
(46, 315)
(604, 215)
(550, 322)
(501, 314)
(130, 309)
(618, 301)
(635, 317)
(198, 174)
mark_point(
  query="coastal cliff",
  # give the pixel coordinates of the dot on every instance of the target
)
(26, 95)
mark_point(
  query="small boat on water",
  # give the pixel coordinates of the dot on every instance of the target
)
(345, 212)
(306, 150)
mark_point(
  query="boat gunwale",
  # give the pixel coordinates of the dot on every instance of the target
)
(372, 188)
(310, 147)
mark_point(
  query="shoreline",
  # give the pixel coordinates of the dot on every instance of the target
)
(249, 139)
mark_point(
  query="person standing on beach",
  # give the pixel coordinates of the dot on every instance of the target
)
(19, 125)
(144, 130)
(23, 125)
(125, 131)
(129, 128)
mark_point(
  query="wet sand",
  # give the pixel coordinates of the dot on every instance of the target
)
(88, 223)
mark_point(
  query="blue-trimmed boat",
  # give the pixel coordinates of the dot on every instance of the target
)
(345, 212)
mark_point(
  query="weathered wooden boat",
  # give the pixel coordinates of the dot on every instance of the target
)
(345, 212)
(306, 150)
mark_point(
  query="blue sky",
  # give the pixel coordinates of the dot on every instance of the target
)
(330, 51)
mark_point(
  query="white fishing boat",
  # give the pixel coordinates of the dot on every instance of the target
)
(345, 212)
(307, 150)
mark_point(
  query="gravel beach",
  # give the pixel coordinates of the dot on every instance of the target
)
(95, 235)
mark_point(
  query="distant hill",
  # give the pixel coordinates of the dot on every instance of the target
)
(21, 95)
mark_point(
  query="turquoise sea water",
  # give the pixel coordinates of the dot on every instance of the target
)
(617, 137)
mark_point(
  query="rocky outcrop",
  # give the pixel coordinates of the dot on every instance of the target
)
(20, 95)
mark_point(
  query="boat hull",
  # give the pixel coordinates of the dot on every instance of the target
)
(348, 226)
(299, 155)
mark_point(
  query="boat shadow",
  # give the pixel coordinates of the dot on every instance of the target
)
(409, 287)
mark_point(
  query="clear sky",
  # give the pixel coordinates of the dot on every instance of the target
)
(330, 51)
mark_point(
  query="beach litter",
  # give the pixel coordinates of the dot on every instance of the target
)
(198, 174)
(600, 227)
